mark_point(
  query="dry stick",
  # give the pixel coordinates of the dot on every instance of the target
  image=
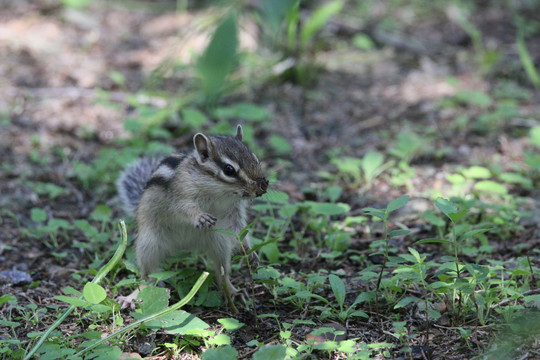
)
(100, 275)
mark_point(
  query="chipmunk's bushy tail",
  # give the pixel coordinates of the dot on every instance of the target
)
(132, 181)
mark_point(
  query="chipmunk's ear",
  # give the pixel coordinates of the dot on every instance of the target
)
(239, 132)
(203, 146)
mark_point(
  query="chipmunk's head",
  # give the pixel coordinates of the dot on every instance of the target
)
(229, 160)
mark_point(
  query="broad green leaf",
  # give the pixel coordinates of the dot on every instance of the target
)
(154, 299)
(333, 193)
(359, 313)
(230, 324)
(399, 232)
(274, 196)
(38, 215)
(271, 352)
(226, 352)
(472, 233)
(455, 178)
(513, 178)
(326, 346)
(416, 255)
(280, 144)
(534, 136)
(72, 301)
(318, 19)
(433, 240)
(455, 217)
(194, 118)
(338, 287)
(8, 298)
(363, 42)
(397, 203)
(375, 213)
(477, 172)
(275, 12)
(446, 206)
(491, 186)
(371, 162)
(217, 61)
(101, 213)
(406, 301)
(219, 340)
(327, 209)
(246, 111)
(94, 293)
(175, 322)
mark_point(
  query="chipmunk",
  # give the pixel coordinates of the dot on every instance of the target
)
(178, 201)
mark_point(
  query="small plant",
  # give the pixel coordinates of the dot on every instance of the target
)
(383, 215)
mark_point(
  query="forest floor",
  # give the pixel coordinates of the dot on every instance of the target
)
(57, 62)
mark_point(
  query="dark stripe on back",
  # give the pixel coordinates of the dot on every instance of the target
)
(173, 161)
(157, 181)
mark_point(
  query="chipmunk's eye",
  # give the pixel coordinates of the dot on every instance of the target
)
(228, 170)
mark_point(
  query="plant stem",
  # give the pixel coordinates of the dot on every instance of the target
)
(100, 275)
(383, 266)
(457, 266)
(170, 309)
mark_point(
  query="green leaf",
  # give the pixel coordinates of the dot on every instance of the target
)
(217, 61)
(491, 186)
(194, 118)
(477, 172)
(472, 233)
(338, 287)
(246, 111)
(432, 240)
(378, 213)
(274, 196)
(397, 203)
(76, 4)
(526, 61)
(8, 298)
(534, 136)
(154, 299)
(363, 42)
(101, 213)
(513, 178)
(318, 19)
(274, 12)
(347, 346)
(175, 322)
(371, 163)
(230, 324)
(220, 353)
(446, 206)
(327, 209)
(271, 352)
(38, 215)
(94, 293)
(399, 232)
(72, 301)
(280, 144)
(406, 301)
(455, 217)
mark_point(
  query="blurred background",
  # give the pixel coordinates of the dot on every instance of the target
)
(351, 102)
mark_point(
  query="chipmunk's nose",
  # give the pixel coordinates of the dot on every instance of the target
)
(262, 185)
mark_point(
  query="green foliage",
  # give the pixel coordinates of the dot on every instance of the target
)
(218, 60)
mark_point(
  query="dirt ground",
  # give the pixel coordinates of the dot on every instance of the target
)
(55, 61)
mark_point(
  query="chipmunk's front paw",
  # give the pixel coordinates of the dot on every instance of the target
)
(205, 221)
